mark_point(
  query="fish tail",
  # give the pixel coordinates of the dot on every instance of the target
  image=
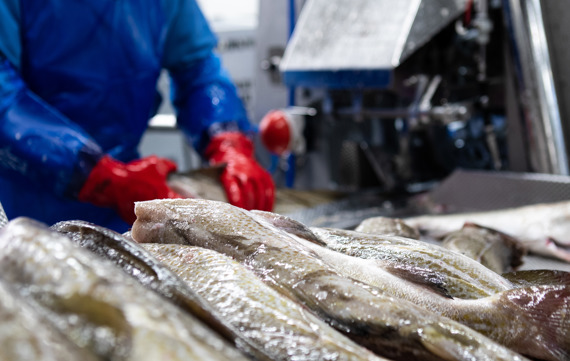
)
(544, 316)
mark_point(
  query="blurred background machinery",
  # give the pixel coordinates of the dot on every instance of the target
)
(397, 95)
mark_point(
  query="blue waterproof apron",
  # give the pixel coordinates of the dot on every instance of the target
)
(81, 83)
(97, 63)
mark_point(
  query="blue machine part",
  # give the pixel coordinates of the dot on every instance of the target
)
(470, 148)
(78, 80)
(339, 79)
(292, 159)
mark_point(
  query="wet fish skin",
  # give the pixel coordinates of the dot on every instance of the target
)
(529, 278)
(420, 254)
(543, 228)
(96, 305)
(461, 276)
(144, 267)
(390, 327)
(284, 223)
(449, 283)
(472, 311)
(25, 336)
(537, 329)
(493, 249)
(289, 225)
(284, 328)
(388, 227)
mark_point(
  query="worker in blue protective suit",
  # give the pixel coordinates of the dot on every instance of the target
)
(77, 87)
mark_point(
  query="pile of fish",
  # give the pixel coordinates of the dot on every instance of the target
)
(203, 280)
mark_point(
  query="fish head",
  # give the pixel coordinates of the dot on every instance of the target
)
(152, 226)
(208, 224)
(190, 221)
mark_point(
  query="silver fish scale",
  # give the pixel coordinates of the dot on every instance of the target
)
(3, 218)
(282, 326)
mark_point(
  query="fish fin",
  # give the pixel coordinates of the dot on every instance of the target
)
(289, 225)
(540, 277)
(422, 277)
(546, 308)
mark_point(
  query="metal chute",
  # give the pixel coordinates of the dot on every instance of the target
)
(346, 43)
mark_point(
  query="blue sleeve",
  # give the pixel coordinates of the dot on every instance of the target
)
(10, 31)
(38, 143)
(204, 96)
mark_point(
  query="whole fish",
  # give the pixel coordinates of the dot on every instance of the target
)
(531, 321)
(284, 328)
(460, 276)
(96, 305)
(390, 327)
(543, 228)
(495, 250)
(26, 336)
(388, 227)
(140, 264)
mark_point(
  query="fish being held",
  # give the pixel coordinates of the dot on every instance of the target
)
(390, 327)
(96, 305)
(140, 264)
(25, 336)
(285, 329)
(543, 228)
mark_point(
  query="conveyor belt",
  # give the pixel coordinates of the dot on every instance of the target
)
(537, 262)
(468, 191)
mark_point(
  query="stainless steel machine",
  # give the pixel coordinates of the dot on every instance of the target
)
(3, 218)
(408, 91)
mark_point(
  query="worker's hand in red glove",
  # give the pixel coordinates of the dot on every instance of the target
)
(119, 185)
(246, 183)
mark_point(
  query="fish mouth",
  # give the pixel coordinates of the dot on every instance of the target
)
(147, 226)
(553, 247)
(565, 247)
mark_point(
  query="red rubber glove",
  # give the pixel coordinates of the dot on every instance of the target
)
(276, 132)
(246, 183)
(119, 185)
